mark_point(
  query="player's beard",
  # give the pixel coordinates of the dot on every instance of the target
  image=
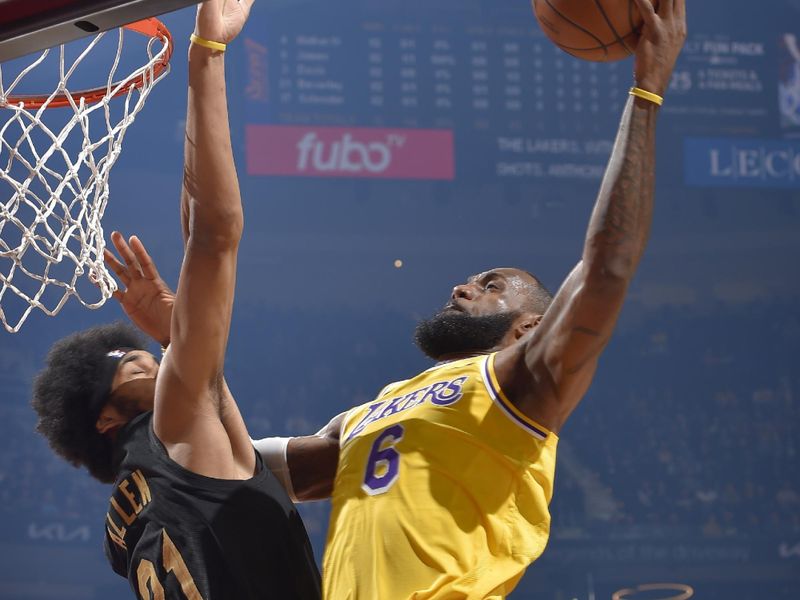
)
(451, 332)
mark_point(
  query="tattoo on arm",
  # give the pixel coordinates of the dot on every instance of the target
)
(621, 220)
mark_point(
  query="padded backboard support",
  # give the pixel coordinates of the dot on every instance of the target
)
(31, 25)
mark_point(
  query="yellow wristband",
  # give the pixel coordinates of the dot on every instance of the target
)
(196, 39)
(644, 94)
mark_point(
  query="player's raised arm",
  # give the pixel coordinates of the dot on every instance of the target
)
(305, 465)
(187, 408)
(561, 353)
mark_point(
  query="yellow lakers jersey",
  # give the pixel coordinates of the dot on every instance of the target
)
(441, 492)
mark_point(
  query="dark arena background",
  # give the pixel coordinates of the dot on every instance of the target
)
(387, 150)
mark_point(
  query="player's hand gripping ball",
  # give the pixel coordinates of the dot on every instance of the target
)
(597, 30)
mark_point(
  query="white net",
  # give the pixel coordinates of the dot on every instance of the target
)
(56, 154)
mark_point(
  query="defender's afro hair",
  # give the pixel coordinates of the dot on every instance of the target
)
(63, 392)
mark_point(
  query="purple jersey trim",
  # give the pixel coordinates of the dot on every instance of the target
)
(499, 399)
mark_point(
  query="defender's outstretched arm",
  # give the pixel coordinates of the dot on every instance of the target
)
(548, 372)
(305, 465)
(188, 410)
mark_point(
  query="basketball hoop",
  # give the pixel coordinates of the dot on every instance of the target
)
(51, 236)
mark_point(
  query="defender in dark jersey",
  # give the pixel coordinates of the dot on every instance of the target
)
(194, 513)
(200, 537)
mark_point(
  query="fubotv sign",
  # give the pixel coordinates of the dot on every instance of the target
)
(350, 152)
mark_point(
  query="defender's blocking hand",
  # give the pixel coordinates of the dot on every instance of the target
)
(221, 20)
(146, 298)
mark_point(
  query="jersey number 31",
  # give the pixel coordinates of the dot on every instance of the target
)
(150, 587)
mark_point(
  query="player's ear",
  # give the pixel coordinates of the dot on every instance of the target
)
(526, 323)
(108, 419)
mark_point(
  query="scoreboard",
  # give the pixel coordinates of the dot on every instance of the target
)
(446, 90)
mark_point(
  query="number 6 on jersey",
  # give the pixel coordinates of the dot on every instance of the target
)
(383, 464)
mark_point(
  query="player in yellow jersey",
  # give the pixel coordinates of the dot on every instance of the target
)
(441, 484)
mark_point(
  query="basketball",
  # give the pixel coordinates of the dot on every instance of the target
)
(597, 30)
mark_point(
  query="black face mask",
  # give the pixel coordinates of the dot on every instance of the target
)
(450, 332)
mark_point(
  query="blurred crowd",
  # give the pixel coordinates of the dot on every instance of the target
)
(692, 430)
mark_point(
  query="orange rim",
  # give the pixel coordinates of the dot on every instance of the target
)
(152, 28)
